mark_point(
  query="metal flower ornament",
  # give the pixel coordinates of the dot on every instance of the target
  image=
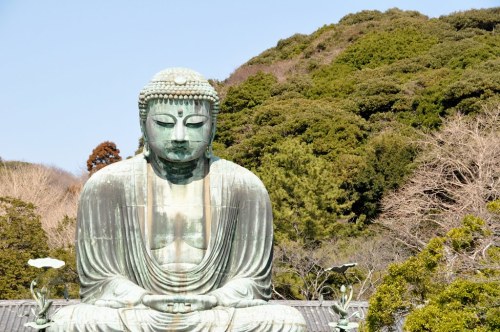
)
(341, 307)
(46, 262)
(41, 295)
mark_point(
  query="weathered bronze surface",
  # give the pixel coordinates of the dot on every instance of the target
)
(175, 239)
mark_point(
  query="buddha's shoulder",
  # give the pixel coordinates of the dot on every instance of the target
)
(119, 171)
(229, 170)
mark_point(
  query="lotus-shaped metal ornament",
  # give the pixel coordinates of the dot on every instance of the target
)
(46, 262)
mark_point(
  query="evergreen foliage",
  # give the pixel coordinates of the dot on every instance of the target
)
(485, 19)
(307, 198)
(352, 95)
(64, 281)
(464, 305)
(21, 238)
(273, 137)
(332, 121)
(386, 47)
(253, 92)
(285, 49)
(446, 287)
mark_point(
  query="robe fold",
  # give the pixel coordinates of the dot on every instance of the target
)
(112, 255)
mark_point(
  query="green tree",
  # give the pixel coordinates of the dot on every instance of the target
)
(485, 19)
(406, 285)
(21, 238)
(254, 91)
(103, 155)
(385, 47)
(64, 281)
(140, 146)
(285, 49)
(475, 85)
(362, 16)
(464, 305)
(387, 161)
(307, 200)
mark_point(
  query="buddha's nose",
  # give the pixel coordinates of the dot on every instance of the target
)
(179, 134)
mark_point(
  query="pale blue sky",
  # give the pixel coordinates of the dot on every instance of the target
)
(70, 71)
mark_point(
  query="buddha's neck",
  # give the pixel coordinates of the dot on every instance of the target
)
(179, 172)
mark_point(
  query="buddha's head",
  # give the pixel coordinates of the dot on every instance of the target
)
(178, 114)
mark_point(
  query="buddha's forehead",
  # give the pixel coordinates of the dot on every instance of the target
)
(175, 107)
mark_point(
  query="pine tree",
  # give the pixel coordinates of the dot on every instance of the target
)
(21, 238)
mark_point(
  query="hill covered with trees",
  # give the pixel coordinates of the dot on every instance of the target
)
(353, 94)
(374, 136)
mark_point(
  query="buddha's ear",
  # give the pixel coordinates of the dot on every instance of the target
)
(143, 128)
(145, 148)
(214, 111)
(212, 132)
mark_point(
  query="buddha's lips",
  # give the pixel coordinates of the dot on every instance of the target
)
(178, 148)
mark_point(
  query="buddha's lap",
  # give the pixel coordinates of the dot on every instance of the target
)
(85, 317)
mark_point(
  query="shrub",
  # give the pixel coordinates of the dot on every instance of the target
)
(485, 19)
(406, 285)
(379, 48)
(419, 286)
(254, 91)
(21, 238)
(464, 305)
(362, 16)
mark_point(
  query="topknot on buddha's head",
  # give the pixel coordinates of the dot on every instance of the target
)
(178, 84)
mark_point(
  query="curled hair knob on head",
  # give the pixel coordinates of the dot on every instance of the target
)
(178, 84)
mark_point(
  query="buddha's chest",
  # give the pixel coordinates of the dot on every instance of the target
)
(178, 230)
(178, 220)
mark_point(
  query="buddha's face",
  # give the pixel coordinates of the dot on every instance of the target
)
(178, 130)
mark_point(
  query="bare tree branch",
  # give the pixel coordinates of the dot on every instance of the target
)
(54, 193)
(459, 173)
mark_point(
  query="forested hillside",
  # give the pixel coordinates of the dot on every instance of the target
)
(377, 138)
(350, 99)
(374, 136)
(37, 218)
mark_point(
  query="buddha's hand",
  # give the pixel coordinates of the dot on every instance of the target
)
(250, 303)
(121, 293)
(243, 303)
(176, 304)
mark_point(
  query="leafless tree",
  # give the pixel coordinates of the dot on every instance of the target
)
(53, 191)
(307, 264)
(459, 173)
(371, 253)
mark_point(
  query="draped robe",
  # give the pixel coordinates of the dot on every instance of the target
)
(111, 252)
